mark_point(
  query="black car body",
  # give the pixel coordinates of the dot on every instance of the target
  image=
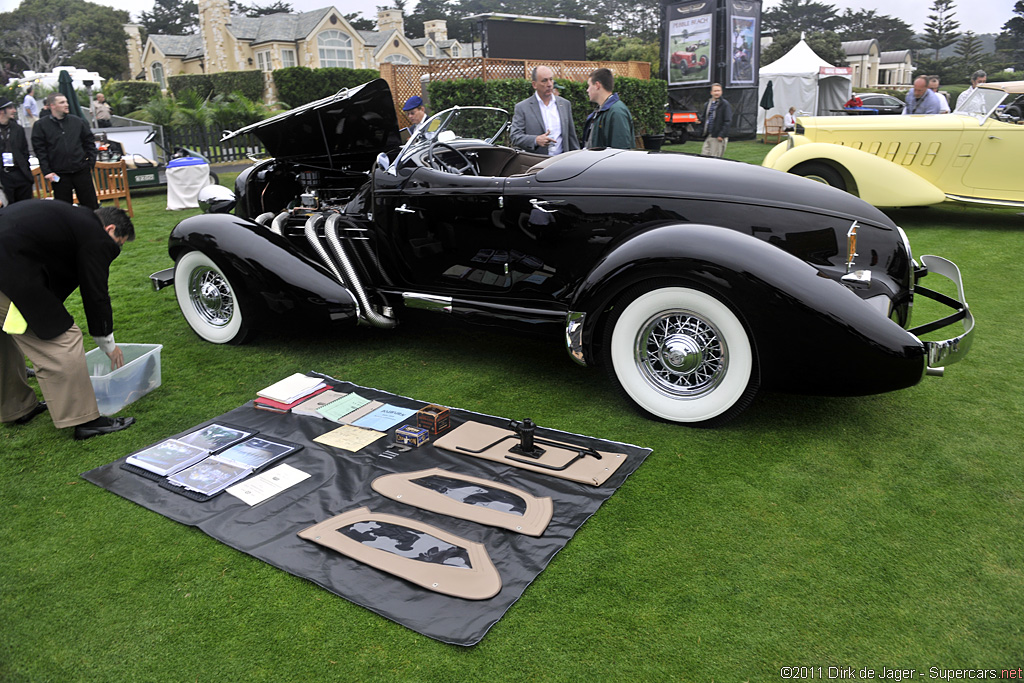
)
(694, 294)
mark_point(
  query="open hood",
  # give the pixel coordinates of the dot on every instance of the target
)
(358, 121)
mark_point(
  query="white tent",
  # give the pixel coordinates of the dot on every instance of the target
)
(802, 79)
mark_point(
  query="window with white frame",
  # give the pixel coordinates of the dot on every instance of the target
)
(429, 50)
(288, 58)
(335, 49)
(397, 59)
(157, 70)
(455, 50)
(263, 60)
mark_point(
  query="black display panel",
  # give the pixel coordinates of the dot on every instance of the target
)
(533, 40)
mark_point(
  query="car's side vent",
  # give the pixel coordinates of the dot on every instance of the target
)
(929, 156)
(911, 154)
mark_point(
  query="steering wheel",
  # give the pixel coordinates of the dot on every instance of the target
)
(467, 168)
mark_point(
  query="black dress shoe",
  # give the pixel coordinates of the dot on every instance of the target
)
(25, 419)
(116, 425)
(30, 372)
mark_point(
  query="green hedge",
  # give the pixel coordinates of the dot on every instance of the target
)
(298, 85)
(249, 83)
(645, 98)
(137, 93)
(200, 83)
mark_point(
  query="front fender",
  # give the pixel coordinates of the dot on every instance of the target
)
(281, 285)
(811, 333)
(878, 181)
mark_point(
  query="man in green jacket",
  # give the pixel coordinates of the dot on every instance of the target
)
(611, 125)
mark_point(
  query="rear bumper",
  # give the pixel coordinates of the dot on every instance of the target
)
(942, 353)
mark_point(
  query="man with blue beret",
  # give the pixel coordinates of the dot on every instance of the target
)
(415, 112)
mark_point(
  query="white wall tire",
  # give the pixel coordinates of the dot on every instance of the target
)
(681, 355)
(208, 300)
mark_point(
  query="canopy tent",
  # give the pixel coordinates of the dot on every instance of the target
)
(802, 79)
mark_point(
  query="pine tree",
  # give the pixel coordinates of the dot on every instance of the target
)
(941, 29)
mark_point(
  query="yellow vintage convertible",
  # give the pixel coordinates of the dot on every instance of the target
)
(971, 155)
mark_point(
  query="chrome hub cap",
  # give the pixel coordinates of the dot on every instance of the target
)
(211, 296)
(680, 354)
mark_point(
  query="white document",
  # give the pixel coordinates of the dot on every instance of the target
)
(257, 489)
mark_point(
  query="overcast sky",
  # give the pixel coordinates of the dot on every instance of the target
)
(980, 16)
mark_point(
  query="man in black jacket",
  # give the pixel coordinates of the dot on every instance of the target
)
(66, 149)
(717, 118)
(15, 173)
(47, 250)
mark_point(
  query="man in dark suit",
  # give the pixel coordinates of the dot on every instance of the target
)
(542, 123)
(47, 250)
(15, 173)
(66, 149)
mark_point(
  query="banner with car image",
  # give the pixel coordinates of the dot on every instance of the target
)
(690, 42)
(744, 31)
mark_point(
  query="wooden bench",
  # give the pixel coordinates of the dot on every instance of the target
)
(110, 178)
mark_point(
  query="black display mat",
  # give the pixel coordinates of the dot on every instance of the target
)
(340, 481)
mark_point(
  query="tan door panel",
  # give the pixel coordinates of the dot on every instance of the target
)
(419, 553)
(460, 495)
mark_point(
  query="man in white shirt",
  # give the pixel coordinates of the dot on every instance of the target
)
(789, 120)
(977, 78)
(543, 122)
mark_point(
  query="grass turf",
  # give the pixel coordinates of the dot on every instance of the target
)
(865, 532)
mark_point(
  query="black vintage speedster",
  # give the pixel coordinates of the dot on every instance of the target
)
(695, 281)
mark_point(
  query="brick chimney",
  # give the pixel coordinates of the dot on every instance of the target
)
(436, 30)
(388, 19)
(134, 41)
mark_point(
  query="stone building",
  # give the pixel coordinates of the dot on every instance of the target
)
(873, 68)
(318, 38)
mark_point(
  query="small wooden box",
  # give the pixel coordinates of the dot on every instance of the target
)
(434, 418)
(412, 436)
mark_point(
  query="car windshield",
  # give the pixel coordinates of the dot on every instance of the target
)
(486, 124)
(981, 103)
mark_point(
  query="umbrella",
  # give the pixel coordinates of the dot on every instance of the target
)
(768, 98)
(767, 102)
(67, 89)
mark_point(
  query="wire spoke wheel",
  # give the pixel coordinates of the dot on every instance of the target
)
(208, 300)
(681, 355)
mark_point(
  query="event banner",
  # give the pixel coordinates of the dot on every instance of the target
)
(744, 19)
(690, 42)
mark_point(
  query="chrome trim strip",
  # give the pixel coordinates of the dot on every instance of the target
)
(948, 351)
(427, 302)
(162, 278)
(988, 202)
(574, 321)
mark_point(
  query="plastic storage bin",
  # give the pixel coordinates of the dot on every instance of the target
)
(139, 375)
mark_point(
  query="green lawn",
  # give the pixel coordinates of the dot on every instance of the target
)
(862, 532)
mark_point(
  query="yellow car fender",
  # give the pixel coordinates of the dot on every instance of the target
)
(873, 179)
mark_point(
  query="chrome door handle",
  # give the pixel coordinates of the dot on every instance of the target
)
(539, 204)
(404, 209)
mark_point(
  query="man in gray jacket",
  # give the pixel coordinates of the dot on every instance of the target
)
(543, 123)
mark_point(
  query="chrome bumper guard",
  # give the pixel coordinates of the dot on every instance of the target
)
(941, 353)
(162, 278)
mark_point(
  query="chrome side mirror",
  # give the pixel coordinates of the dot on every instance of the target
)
(216, 199)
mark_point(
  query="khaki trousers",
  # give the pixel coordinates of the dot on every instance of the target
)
(713, 148)
(60, 370)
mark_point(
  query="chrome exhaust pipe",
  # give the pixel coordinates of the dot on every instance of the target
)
(276, 226)
(352, 277)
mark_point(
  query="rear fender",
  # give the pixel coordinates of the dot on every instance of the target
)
(875, 180)
(811, 333)
(282, 285)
